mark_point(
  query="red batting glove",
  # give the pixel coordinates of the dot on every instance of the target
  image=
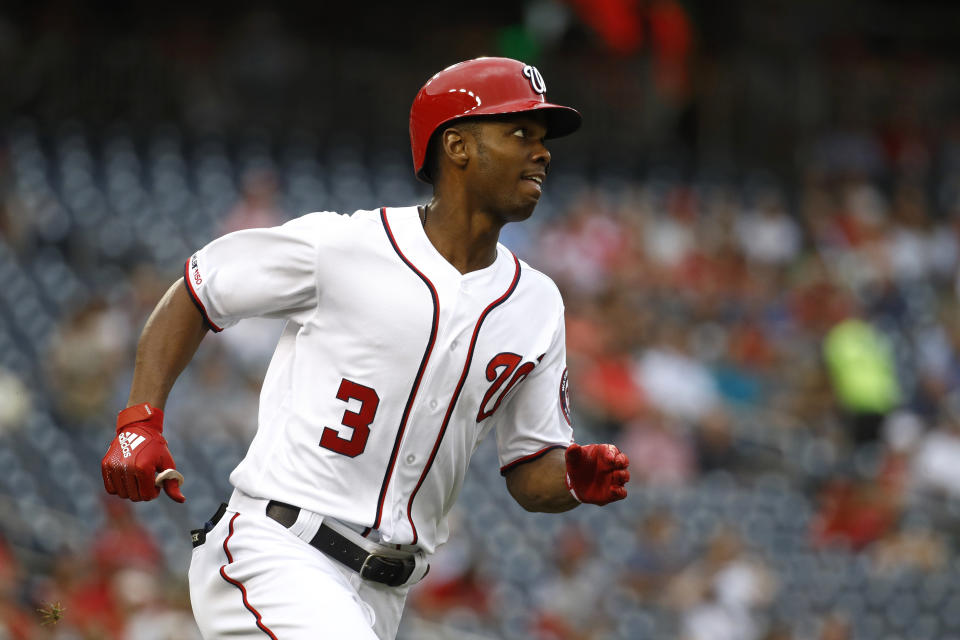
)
(137, 454)
(596, 473)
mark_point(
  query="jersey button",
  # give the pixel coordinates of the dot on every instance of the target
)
(433, 404)
(454, 345)
(411, 459)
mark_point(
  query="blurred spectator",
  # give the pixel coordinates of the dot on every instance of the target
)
(89, 599)
(778, 631)
(836, 627)
(148, 612)
(16, 623)
(121, 530)
(660, 450)
(854, 514)
(910, 239)
(454, 582)
(251, 346)
(453, 592)
(601, 332)
(936, 459)
(714, 440)
(607, 390)
(937, 367)
(743, 369)
(767, 234)
(672, 379)
(657, 557)
(710, 620)
(580, 249)
(568, 605)
(720, 592)
(259, 204)
(115, 590)
(15, 402)
(85, 356)
(909, 550)
(862, 369)
(228, 404)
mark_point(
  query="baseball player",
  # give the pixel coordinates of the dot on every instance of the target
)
(410, 334)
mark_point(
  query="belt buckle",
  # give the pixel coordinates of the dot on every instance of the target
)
(388, 570)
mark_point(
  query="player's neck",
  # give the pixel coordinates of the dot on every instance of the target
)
(468, 240)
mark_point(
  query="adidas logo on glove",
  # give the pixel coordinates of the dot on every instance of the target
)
(129, 441)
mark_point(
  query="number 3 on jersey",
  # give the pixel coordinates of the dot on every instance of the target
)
(359, 421)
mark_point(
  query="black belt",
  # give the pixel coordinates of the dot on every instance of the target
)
(388, 570)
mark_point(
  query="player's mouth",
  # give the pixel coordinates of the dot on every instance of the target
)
(537, 180)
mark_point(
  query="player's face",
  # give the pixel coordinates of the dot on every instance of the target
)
(511, 165)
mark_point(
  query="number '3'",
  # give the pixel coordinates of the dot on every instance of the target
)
(359, 421)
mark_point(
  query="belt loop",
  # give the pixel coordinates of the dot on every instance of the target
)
(306, 525)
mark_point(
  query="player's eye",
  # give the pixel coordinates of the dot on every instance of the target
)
(520, 133)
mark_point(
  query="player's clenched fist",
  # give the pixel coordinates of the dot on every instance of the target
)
(597, 473)
(137, 454)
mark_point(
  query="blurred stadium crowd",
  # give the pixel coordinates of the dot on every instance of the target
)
(778, 353)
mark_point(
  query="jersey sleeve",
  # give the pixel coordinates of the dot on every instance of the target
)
(269, 272)
(537, 416)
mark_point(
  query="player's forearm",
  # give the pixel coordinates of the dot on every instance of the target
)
(168, 342)
(539, 485)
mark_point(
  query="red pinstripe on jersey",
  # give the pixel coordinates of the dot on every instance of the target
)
(416, 381)
(239, 585)
(456, 393)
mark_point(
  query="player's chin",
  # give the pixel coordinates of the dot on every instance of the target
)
(518, 214)
(523, 208)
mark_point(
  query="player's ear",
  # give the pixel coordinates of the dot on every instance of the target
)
(455, 145)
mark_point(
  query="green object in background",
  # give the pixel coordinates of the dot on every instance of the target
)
(862, 368)
(516, 42)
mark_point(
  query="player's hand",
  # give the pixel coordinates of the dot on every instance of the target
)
(597, 473)
(138, 460)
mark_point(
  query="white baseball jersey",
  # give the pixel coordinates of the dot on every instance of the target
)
(391, 368)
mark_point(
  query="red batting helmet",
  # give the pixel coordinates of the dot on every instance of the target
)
(478, 87)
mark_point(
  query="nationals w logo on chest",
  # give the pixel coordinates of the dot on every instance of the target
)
(505, 372)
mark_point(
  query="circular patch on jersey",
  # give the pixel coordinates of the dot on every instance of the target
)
(565, 397)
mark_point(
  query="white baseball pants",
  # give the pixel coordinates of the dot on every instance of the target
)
(254, 579)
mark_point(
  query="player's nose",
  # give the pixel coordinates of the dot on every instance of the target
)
(542, 155)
